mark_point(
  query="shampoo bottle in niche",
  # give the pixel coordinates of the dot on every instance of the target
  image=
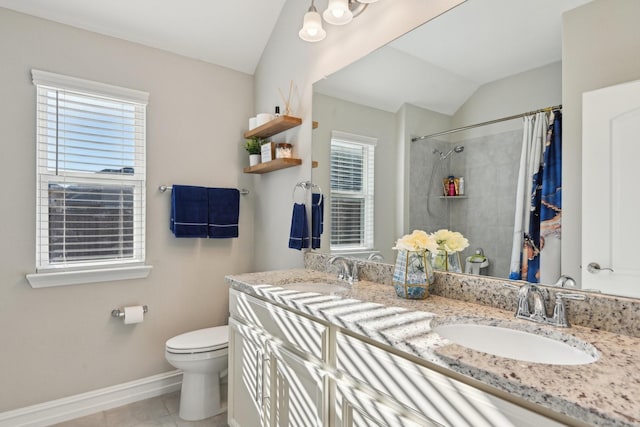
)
(460, 186)
(452, 187)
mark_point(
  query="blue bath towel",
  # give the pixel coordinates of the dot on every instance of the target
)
(299, 236)
(188, 211)
(317, 219)
(224, 211)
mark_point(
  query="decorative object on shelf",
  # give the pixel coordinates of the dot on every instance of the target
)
(338, 12)
(412, 274)
(252, 145)
(449, 245)
(267, 151)
(284, 150)
(287, 101)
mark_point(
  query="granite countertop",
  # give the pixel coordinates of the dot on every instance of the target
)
(602, 393)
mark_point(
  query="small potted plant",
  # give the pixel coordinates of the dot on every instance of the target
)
(252, 145)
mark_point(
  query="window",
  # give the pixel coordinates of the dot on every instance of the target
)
(351, 191)
(90, 174)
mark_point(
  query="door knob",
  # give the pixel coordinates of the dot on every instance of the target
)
(594, 268)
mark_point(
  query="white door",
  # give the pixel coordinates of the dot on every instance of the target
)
(610, 201)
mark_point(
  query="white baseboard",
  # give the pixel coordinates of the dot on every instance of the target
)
(68, 408)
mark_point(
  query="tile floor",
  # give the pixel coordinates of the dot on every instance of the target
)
(157, 411)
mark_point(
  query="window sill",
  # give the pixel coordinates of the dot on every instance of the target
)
(81, 277)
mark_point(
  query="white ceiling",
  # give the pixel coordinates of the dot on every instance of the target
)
(229, 33)
(441, 64)
(437, 66)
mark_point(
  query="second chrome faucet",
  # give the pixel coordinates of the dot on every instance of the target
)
(348, 269)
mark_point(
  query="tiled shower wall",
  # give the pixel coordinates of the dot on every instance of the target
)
(489, 165)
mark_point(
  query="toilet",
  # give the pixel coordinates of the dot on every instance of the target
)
(202, 357)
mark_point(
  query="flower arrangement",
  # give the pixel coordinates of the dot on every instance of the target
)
(450, 241)
(443, 247)
(418, 241)
(447, 257)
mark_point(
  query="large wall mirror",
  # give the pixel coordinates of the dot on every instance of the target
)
(481, 61)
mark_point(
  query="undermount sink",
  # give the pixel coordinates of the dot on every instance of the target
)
(319, 287)
(517, 344)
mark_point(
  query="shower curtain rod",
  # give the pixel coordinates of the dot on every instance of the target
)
(517, 116)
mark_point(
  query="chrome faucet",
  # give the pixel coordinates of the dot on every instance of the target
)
(566, 282)
(346, 272)
(539, 315)
(539, 308)
(375, 256)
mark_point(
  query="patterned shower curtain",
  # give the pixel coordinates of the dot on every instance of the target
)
(535, 253)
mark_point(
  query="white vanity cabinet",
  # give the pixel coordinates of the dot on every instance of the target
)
(275, 366)
(441, 400)
(286, 369)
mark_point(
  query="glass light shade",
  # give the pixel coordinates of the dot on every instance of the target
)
(312, 30)
(338, 12)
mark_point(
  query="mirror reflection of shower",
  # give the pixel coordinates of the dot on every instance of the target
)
(457, 149)
(439, 167)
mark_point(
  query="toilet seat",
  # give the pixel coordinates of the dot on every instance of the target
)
(200, 341)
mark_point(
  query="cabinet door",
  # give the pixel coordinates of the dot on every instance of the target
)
(297, 387)
(354, 408)
(246, 376)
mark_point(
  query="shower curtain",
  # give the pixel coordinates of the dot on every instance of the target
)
(535, 255)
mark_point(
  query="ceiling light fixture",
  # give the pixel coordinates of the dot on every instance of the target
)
(338, 12)
(312, 30)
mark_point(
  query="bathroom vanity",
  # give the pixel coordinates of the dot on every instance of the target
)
(308, 350)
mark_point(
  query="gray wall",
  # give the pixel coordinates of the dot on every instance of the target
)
(62, 341)
(601, 42)
(489, 164)
(335, 114)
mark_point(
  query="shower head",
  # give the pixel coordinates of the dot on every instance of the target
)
(457, 149)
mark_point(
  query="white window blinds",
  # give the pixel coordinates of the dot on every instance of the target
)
(90, 173)
(352, 191)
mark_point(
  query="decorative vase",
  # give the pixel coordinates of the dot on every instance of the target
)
(412, 275)
(254, 159)
(446, 261)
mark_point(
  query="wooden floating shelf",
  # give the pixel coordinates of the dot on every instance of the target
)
(275, 126)
(273, 165)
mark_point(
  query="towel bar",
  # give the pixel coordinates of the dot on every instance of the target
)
(164, 188)
(306, 185)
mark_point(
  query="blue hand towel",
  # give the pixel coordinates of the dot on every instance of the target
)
(299, 236)
(224, 211)
(188, 211)
(317, 219)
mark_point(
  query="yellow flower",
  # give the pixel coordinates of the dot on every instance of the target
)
(416, 241)
(450, 241)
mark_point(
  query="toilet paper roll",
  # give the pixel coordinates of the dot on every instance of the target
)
(134, 314)
(253, 123)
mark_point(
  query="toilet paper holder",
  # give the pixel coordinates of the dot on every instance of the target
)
(120, 313)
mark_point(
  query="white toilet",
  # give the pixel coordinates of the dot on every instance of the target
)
(202, 356)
